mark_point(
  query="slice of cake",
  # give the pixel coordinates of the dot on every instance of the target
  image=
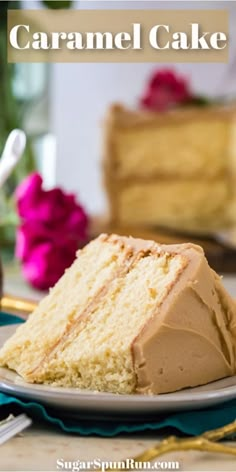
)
(174, 169)
(129, 316)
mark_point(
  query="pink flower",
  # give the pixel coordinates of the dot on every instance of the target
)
(54, 207)
(165, 90)
(53, 227)
(46, 264)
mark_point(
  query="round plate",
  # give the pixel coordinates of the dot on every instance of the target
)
(84, 403)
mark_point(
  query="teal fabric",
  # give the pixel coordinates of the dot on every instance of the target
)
(6, 319)
(190, 422)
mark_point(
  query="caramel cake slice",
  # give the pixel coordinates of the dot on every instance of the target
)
(129, 316)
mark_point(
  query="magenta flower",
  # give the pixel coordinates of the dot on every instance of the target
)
(165, 89)
(53, 227)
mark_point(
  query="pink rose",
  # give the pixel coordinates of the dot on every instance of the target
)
(54, 207)
(165, 90)
(53, 227)
(46, 264)
(30, 234)
(27, 195)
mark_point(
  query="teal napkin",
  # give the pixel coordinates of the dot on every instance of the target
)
(6, 319)
(189, 422)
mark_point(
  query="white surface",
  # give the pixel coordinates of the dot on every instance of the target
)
(85, 403)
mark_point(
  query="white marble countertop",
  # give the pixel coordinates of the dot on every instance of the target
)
(39, 448)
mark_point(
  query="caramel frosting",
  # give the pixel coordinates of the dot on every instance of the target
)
(192, 340)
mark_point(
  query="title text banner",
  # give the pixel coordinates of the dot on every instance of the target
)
(118, 36)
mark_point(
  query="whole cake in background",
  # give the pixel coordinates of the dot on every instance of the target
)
(129, 316)
(171, 166)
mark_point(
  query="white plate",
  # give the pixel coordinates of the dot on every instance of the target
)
(88, 404)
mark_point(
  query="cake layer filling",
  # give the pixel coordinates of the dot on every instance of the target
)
(97, 354)
(192, 205)
(87, 279)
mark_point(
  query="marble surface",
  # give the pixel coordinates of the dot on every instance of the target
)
(39, 447)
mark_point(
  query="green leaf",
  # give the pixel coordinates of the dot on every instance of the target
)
(58, 4)
(199, 101)
(4, 6)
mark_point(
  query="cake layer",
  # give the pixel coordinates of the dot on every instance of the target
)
(195, 205)
(179, 143)
(129, 316)
(97, 354)
(86, 281)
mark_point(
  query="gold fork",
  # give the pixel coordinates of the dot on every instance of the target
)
(205, 442)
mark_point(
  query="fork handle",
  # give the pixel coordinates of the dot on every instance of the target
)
(16, 304)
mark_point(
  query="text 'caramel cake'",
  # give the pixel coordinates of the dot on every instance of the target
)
(129, 316)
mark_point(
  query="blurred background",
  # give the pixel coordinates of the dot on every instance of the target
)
(61, 107)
